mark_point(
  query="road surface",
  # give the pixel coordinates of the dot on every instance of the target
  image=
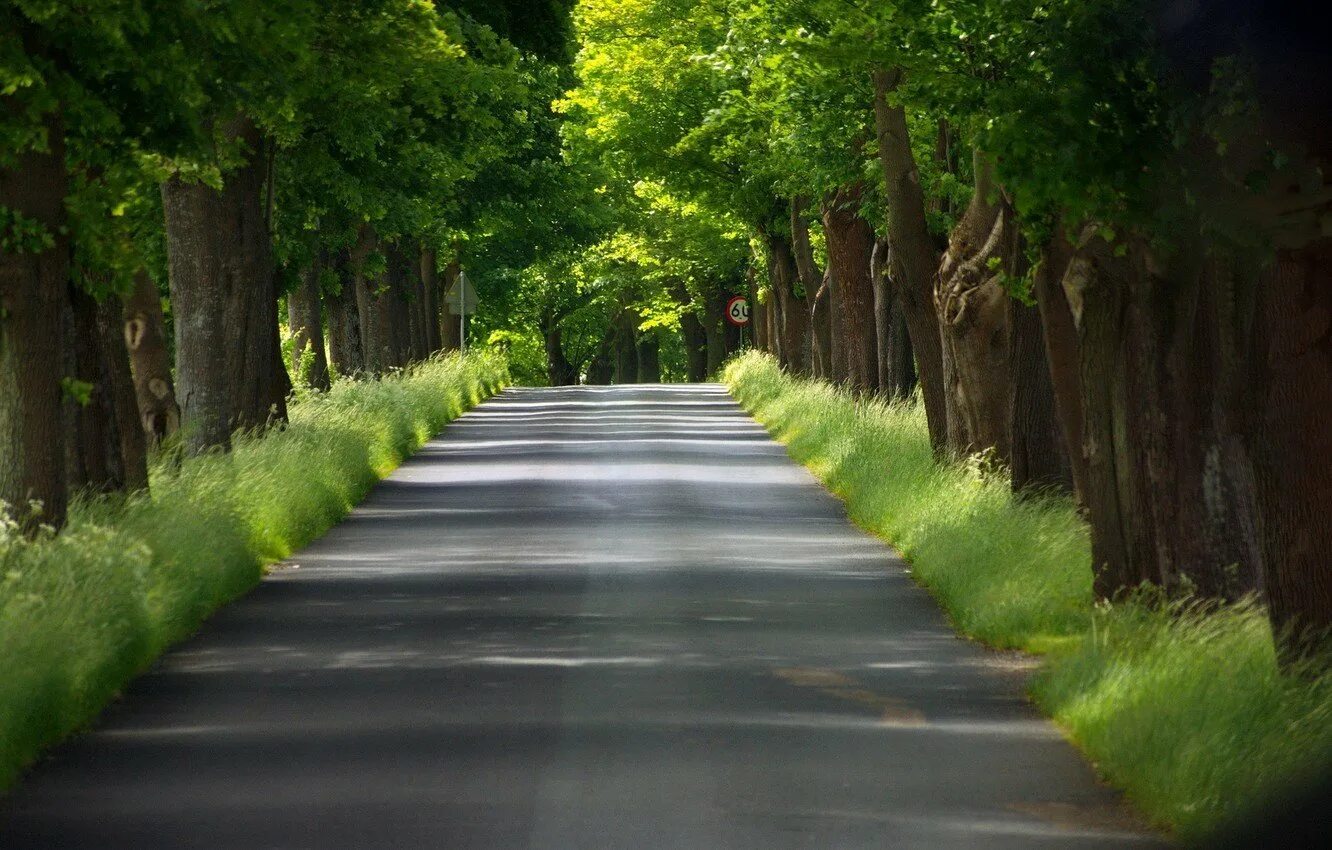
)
(581, 618)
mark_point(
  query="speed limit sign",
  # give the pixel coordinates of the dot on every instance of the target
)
(737, 311)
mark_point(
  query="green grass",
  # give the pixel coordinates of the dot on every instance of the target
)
(84, 611)
(1182, 707)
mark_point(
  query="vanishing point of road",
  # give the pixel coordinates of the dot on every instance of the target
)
(596, 617)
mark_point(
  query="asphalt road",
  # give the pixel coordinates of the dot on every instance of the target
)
(582, 618)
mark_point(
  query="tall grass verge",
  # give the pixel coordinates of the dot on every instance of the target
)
(83, 611)
(1181, 706)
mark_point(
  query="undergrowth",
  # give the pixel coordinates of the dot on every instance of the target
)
(83, 611)
(1180, 705)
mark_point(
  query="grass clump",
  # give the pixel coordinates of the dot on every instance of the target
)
(83, 611)
(1181, 705)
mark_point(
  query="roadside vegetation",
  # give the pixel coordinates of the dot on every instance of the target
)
(1181, 703)
(83, 611)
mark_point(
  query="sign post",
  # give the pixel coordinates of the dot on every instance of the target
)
(462, 300)
(737, 313)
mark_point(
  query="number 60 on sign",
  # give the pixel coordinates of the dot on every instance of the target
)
(737, 311)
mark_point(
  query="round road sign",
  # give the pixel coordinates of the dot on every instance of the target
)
(737, 311)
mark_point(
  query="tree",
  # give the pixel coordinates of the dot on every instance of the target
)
(86, 91)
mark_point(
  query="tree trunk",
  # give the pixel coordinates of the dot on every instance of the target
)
(374, 307)
(945, 159)
(897, 366)
(1293, 448)
(304, 315)
(101, 456)
(223, 302)
(818, 330)
(714, 330)
(273, 384)
(32, 297)
(559, 370)
(793, 315)
(400, 313)
(601, 369)
(772, 322)
(649, 358)
(150, 362)
(762, 322)
(413, 290)
(1039, 459)
(1061, 352)
(696, 347)
(376, 324)
(129, 430)
(695, 339)
(396, 310)
(414, 340)
(820, 318)
(971, 303)
(626, 347)
(104, 442)
(915, 260)
(344, 321)
(430, 299)
(850, 248)
(1166, 367)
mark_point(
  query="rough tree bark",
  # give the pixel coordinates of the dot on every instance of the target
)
(32, 295)
(133, 445)
(1061, 351)
(373, 295)
(811, 279)
(431, 298)
(228, 359)
(1165, 364)
(344, 321)
(850, 248)
(416, 340)
(1292, 446)
(793, 314)
(305, 317)
(150, 362)
(896, 364)
(1039, 459)
(104, 445)
(772, 321)
(761, 321)
(396, 309)
(915, 260)
(971, 303)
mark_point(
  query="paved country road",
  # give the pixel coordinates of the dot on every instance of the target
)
(582, 618)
